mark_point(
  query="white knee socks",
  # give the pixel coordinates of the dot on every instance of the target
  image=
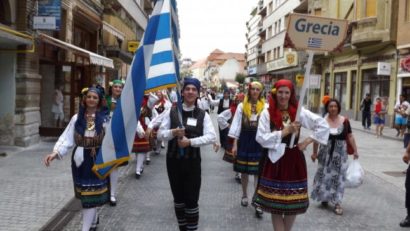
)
(140, 162)
(113, 182)
(88, 218)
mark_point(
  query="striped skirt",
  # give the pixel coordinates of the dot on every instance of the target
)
(282, 186)
(141, 145)
(91, 190)
(249, 153)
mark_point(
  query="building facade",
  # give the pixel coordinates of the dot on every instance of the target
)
(68, 58)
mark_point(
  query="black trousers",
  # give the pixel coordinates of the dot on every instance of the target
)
(366, 118)
(185, 179)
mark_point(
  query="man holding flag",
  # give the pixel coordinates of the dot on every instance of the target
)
(184, 154)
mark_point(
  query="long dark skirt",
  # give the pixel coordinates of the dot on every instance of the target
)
(91, 190)
(249, 153)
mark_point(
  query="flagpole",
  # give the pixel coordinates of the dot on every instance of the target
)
(303, 90)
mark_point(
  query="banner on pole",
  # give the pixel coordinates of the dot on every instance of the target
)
(305, 32)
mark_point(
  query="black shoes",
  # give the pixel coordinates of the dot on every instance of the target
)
(113, 201)
(94, 224)
(258, 212)
(405, 222)
(137, 175)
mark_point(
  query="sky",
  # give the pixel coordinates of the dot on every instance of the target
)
(207, 25)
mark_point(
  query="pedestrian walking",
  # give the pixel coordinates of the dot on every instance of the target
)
(406, 157)
(282, 186)
(184, 153)
(224, 104)
(380, 111)
(329, 181)
(85, 132)
(365, 106)
(246, 150)
(400, 118)
(112, 99)
(325, 99)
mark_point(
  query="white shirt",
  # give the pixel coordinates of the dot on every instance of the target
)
(206, 101)
(208, 137)
(173, 96)
(236, 124)
(273, 140)
(223, 119)
(156, 122)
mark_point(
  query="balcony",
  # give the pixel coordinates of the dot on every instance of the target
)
(367, 32)
(262, 9)
(261, 31)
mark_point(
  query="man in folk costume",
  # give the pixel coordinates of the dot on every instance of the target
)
(243, 129)
(111, 99)
(141, 146)
(184, 154)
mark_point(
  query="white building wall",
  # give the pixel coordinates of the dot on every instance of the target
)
(229, 70)
(281, 8)
(198, 73)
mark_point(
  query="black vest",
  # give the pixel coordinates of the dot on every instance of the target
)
(221, 105)
(190, 132)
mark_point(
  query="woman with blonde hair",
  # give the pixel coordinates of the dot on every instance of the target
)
(243, 130)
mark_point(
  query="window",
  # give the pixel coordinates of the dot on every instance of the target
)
(340, 88)
(318, 12)
(353, 90)
(270, 7)
(276, 28)
(327, 83)
(279, 25)
(366, 8)
(374, 84)
(407, 10)
(278, 50)
(269, 32)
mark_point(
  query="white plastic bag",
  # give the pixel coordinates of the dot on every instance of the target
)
(354, 175)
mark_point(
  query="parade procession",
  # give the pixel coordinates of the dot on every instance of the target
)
(128, 115)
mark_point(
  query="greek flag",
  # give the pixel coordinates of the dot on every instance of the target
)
(155, 66)
(314, 42)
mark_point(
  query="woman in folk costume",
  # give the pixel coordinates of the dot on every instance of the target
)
(246, 150)
(141, 145)
(184, 153)
(224, 104)
(85, 132)
(112, 98)
(162, 104)
(282, 186)
(224, 122)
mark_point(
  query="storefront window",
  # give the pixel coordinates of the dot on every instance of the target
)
(353, 90)
(376, 85)
(340, 88)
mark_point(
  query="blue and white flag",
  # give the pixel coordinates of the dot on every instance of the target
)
(155, 66)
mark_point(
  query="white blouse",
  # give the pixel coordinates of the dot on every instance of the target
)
(273, 140)
(236, 124)
(208, 137)
(223, 119)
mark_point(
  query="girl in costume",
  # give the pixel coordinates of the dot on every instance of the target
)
(282, 186)
(246, 150)
(85, 132)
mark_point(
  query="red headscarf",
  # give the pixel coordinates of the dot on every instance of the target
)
(274, 112)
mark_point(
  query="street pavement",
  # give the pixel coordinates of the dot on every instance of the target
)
(32, 195)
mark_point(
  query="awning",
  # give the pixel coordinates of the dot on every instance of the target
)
(94, 58)
(10, 38)
(112, 30)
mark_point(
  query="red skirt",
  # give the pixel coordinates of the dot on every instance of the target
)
(141, 145)
(282, 186)
(228, 155)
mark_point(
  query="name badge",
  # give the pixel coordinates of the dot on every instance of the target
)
(192, 122)
(254, 117)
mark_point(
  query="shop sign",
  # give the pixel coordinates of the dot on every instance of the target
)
(316, 33)
(133, 46)
(405, 64)
(66, 68)
(252, 70)
(314, 81)
(290, 59)
(48, 15)
(383, 68)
